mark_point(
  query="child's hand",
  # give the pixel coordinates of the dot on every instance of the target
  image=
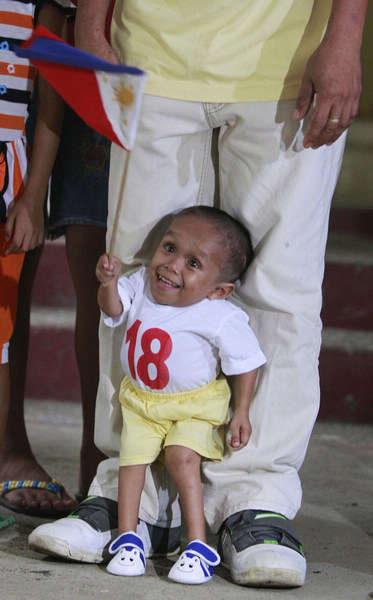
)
(239, 430)
(24, 227)
(106, 270)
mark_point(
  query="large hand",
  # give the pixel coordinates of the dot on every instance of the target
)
(332, 79)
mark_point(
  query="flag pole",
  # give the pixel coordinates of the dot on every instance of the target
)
(119, 205)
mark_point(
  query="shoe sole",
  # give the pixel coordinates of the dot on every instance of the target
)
(44, 544)
(268, 578)
(187, 582)
(268, 567)
(62, 549)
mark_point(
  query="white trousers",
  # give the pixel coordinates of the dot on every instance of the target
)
(249, 159)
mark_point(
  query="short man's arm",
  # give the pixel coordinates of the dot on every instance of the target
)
(332, 77)
(90, 29)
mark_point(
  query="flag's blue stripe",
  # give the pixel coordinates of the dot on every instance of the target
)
(53, 51)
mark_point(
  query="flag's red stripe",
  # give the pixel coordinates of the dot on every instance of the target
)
(76, 86)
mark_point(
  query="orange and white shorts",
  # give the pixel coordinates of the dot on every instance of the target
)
(10, 272)
(13, 166)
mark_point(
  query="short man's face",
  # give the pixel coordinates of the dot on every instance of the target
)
(186, 266)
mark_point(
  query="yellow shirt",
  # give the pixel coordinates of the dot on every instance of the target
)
(220, 50)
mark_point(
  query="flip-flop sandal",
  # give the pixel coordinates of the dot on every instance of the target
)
(52, 486)
(6, 521)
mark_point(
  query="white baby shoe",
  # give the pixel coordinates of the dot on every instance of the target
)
(129, 559)
(196, 564)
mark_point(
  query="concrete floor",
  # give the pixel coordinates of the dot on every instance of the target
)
(335, 525)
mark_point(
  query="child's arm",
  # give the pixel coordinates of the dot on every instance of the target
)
(240, 426)
(25, 221)
(91, 16)
(107, 272)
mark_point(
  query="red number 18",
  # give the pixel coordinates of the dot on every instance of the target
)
(149, 357)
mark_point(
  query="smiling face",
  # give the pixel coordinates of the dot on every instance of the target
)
(186, 266)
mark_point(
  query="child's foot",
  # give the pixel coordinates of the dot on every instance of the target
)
(196, 564)
(129, 559)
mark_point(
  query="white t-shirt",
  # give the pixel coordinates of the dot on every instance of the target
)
(170, 349)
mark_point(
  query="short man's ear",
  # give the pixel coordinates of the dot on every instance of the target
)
(223, 290)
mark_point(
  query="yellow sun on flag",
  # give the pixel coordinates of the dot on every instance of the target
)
(124, 95)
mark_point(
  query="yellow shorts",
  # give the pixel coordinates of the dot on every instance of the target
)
(194, 419)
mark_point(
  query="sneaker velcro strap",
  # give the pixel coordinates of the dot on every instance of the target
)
(129, 541)
(252, 527)
(204, 552)
(100, 513)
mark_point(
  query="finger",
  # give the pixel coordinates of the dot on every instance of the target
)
(25, 241)
(233, 437)
(33, 242)
(336, 123)
(351, 106)
(36, 238)
(333, 127)
(14, 248)
(107, 271)
(14, 239)
(319, 118)
(115, 263)
(245, 436)
(39, 239)
(107, 263)
(235, 441)
(8, 229)
(304, 99)
(349, 112)
(330, 120)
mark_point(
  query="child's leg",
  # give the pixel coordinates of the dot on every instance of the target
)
(131, 483)
(17, 460)
(4, 397)
(128, 547)
(82, 268)
(196, 564)
(183, 464)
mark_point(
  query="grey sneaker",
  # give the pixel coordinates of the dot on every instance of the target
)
(85, 535)
(261, 550)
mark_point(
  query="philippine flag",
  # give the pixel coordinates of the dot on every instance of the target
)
(106, 96)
